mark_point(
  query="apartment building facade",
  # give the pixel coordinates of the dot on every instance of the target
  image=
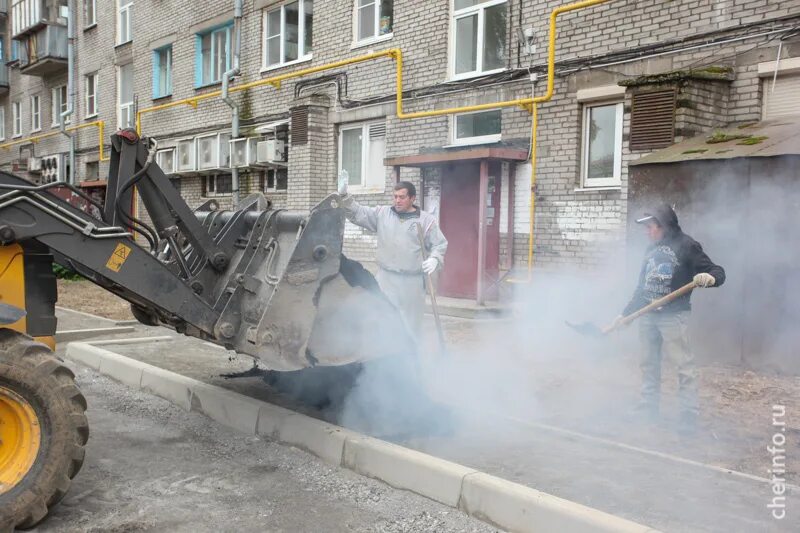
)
(631, 77)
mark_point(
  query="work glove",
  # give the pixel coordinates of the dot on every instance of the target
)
(704, 279)
(342, 183)
(430, 265)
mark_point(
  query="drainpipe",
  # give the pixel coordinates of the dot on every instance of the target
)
(62, 119)
(234, 71)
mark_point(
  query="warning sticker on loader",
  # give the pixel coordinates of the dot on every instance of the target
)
(118, 258)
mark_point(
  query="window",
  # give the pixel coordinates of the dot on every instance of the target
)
(373, 19)
(217, 185)
(187, 160)
(162, 72)
(2, 123)
(59, 102)
(602, 145)
(124, 21)
(90, 13)
(213, 56)
(275, 179)
(36, 113)
(91, 95)
(287, 33)
(361, 152)
(477, 128)
(479, 37)
(166, 160)
(14, 51)
(16, 118)
(125, 96)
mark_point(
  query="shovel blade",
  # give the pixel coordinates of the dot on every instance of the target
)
(586, 328)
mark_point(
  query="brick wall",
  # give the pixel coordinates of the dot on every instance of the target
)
(573, 225)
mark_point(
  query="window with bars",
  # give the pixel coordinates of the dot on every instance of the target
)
(218, 185)
(275, 179)
(361, 152)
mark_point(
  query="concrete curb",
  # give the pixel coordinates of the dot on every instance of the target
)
(505, 504)
(71, 335)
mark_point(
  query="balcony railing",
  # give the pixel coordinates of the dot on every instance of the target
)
(28, 16)
(44, 52)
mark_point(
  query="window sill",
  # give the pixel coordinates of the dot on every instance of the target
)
(270, 68)
(162, 97)
(120, 45)
(208, 85)
(87, 117)
(17, 136)
(90, 27)
(365, 190)
(56, 126)
(605, 188)
(37, 130)
(372, 40)
(472, 75)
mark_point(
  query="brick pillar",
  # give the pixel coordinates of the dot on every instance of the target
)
(311, 153)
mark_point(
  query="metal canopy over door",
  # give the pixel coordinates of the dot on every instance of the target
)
(461, 224)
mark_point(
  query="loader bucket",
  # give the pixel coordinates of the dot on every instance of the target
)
(294, 301)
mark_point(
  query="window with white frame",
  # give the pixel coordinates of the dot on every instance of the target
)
(287, 33)
(214, 55)
(162, 72)
(58, 104)
(16, 118)
(124, 21)
(478, 38)
(187, 155)
(602, 145)
(89, 13)
(217, 185)
(373, 19)
(477, 128)
(361, 153)
(275, 179)
(2, 123)
(125, 117)
(36, 113)
(91, 95)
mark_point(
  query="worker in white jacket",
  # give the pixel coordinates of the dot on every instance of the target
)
(401, 267)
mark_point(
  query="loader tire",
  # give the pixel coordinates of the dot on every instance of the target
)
(44, 425)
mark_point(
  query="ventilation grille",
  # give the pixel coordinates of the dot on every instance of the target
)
(652, 120)
(299, 126)
(377, 130)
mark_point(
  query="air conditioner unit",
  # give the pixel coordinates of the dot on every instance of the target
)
(52, 168)
(271, 151)
(166, 160)
(34, 164)
(243, 152)
(186, 160)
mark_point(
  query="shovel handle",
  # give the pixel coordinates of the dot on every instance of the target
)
(664, 300)
(432, 293)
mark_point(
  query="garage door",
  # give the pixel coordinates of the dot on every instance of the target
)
(784, 99)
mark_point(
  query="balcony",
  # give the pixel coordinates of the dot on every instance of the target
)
(29, 16)
(3, 8)
(44, 52)
(3, 79)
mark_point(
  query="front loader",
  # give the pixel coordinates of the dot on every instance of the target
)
(269, 283)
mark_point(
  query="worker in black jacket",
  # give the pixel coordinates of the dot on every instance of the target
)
(670, 262)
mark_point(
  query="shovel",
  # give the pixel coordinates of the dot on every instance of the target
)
(432, 294)
(587, 328)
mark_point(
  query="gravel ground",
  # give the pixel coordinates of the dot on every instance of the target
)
(153, 467)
